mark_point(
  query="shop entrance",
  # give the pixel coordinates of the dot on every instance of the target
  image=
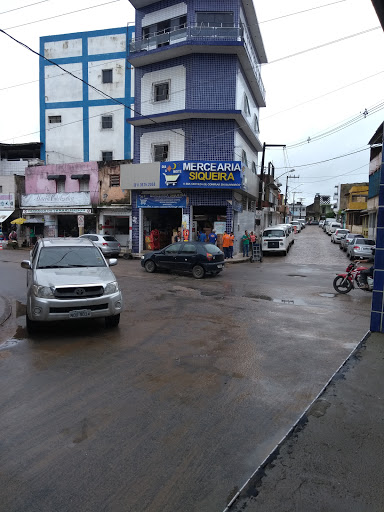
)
(160, 226)
(204, 217)
(67, 225)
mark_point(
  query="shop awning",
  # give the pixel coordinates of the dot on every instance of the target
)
(34, 220)
(5, 214)
(20, 220)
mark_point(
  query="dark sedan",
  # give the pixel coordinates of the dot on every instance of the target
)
(196, 257)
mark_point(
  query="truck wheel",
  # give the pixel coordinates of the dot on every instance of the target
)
(32, 325)
(112, 321)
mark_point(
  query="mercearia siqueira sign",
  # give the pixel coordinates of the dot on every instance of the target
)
(197, 174)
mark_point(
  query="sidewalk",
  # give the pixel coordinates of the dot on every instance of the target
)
(332, 459)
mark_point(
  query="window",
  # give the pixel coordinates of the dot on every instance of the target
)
(106, 156)
(160, 152)
(244, 159)
(106, 122)
(164, 27)
(254, 168)
(114, 180)
(107, 76)
(161, 91)
(247, 110)
(1, 188)
(256, 124)
(172, 249)
(54, 119)
(188, 249)
(60, 186)
(84, 185)
(215, 19)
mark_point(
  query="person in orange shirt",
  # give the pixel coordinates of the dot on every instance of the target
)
(226, 244)
(231, 241)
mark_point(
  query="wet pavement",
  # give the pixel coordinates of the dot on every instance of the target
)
(176, 408)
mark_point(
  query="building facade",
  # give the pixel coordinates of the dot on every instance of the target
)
(79, 123)
(376, 156)
(198, 90)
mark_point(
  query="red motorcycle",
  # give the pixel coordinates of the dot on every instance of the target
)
(343, 283)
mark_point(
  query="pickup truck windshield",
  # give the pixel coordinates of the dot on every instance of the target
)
(69, 257)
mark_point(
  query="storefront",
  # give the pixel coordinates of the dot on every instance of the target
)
(116, 221)
(189, 196)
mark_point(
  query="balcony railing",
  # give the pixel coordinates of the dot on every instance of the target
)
(204, 33)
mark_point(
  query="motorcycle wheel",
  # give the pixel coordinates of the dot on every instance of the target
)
(342, 285)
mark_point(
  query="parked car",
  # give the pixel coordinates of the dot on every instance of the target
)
(302, 222)
(321, 223)
(67, 279)
(296, 224)
(331, 227)
(197, 257)
(338, 235)
(347, 239)
(361, 248)
(313, 222)
(326, 222)
(108, 244)
(277, 238)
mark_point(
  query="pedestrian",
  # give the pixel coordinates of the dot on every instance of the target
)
(252, 239)
(203, 237)
(212, 237)
(245, 240)
(13, 235)
(226, 244)
(231, 242)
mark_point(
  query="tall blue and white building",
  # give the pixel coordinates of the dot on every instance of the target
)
(198, 94)
(78, 123)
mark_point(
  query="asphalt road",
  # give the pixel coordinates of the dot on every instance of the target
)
(176, 408)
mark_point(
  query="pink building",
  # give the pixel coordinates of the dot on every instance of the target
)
(61, 197)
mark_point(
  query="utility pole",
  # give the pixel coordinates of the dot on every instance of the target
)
(286, 196)
(259, 202)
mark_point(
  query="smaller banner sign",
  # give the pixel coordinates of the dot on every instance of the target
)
(161, 201)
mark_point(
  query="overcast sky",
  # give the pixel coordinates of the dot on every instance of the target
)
(307, 94)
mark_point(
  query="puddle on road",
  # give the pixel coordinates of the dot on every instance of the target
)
(328, 295)
(296, 275)
(253, 296)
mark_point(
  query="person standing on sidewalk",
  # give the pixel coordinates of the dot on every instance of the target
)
(212, 237)
(226, 244)
(245, 240)
(231, 242)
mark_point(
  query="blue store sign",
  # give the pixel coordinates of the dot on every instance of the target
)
(196, 174)
(153, 200)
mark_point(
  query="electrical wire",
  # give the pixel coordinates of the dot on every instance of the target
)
(86, 83)
(324, 45)
(60, 15)
(319, 97)
(24, 7)
(301, 12)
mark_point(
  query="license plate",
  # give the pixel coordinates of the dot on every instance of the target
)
(81, 313)
(219, 266)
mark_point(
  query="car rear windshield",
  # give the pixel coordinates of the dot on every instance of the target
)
(109, 238)
(365, 242)
(69, 257)
(342, 231)
(213, 249)
(274, 232)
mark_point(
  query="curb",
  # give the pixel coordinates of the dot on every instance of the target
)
(258, 474)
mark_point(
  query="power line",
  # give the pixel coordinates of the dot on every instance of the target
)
(86, 83)
(60, 15)
(301, 12)
(321, 96)
(324, 45)
(24, 6)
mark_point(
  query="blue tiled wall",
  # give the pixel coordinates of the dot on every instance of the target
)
(377, 312)
(200, 141)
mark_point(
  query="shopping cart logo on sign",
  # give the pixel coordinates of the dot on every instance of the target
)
(171, 179)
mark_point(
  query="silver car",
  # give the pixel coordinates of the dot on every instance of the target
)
(347, 239)
(338, 235)
(67, 279)
(108, 244)
(361, 248)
